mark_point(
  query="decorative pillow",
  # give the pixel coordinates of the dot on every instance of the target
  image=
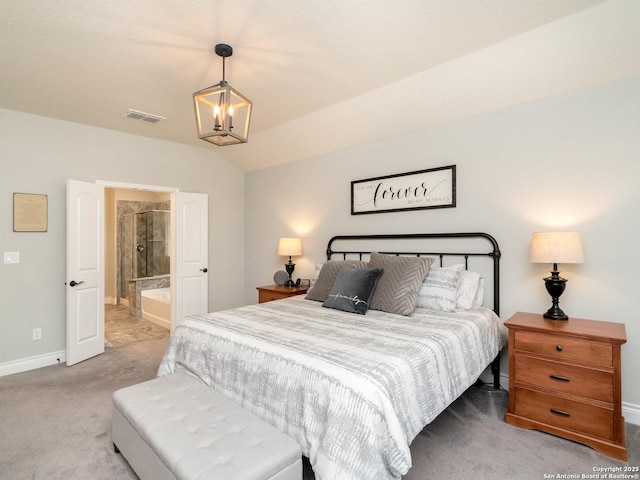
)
(440, 288)
(314, 279)
(479, 299)
(467, 290)
(352, 290)
(397, 290)
(320, 290)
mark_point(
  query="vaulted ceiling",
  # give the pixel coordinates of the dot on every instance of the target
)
(322, 74)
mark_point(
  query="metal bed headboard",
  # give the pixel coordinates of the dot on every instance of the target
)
(494, 253)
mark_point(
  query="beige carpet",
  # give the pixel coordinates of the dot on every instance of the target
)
(55, 423)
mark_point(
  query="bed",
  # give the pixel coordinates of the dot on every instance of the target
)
(353, 390)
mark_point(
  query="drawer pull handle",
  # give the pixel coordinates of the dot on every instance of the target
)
(560, 412)
(559, 348)
(562, 379)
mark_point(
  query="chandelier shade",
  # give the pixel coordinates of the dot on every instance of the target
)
(222, 113)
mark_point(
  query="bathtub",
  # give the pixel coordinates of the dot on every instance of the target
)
(156, 306)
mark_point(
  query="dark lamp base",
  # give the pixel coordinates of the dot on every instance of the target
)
(289, 267)
(555, 285)
(555, 314)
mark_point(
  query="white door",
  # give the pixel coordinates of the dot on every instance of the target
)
(192, 285)
(85, 271)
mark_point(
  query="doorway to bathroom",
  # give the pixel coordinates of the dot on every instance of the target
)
(137, 266)
(92, 280)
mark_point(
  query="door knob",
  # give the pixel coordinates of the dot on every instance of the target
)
(73, 283)
(204, 270)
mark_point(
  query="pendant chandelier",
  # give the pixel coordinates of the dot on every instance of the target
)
(222, 113)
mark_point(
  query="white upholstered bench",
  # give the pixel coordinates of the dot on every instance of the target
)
(176, 427)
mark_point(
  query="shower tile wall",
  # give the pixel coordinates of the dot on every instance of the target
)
(158, 258)
(158, 242)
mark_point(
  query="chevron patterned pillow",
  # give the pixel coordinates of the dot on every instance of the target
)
(397, 289)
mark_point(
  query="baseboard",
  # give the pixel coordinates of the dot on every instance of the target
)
(631, 413)
(31, 363)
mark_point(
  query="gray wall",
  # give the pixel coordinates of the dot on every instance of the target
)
(571, 162)
(38, 156)
(566, 163)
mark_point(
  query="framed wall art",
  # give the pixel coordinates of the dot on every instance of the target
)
(29, 212)
(432, 188)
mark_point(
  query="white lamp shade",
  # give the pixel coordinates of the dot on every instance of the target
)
(290, 247)
(556, 247)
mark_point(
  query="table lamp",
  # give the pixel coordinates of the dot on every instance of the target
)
(290, 247)
(555, 248)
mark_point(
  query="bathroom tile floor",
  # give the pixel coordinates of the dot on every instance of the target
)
(120, 328)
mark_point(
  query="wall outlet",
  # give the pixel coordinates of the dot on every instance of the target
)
(37, 333)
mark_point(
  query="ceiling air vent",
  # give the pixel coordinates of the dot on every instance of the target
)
(147, 117)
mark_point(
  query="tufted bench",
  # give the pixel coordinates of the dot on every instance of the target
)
(176, 427)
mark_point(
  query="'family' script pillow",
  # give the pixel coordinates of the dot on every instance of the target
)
(353, 289)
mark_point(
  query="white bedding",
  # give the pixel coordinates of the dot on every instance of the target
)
(353, 390)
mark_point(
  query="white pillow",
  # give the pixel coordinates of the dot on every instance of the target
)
(468, 290)
(316, 274)
(479, 300)
(440, 288)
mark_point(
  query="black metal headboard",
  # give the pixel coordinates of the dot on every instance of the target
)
(441, 252)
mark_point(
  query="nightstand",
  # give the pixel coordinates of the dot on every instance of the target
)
(565, 379)
(276, 292)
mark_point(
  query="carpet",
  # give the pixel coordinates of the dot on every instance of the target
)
(55, 423)
(471, 440)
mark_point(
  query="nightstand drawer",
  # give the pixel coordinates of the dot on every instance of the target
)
(563, 347)
(565, 378)
(573, 415)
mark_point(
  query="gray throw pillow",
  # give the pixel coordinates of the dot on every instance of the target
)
(328, 273)
(353, 289)
(397, 290)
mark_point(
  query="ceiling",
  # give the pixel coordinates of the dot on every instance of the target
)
(302, 63)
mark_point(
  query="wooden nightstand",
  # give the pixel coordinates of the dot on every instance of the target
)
(565, 379)
(276, 292)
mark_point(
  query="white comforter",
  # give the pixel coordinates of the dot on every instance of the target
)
(353, 390)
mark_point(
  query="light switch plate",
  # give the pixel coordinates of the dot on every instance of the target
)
(11, 257)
